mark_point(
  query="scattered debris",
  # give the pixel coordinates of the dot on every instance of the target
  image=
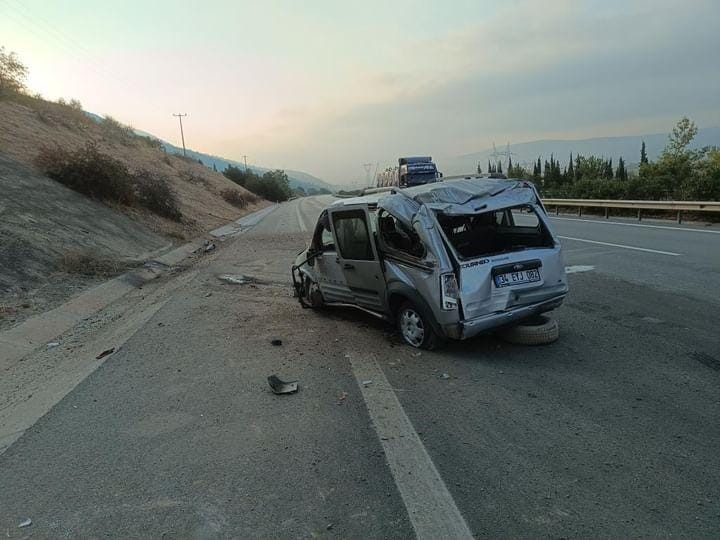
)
(235, 279)
(444, 376)
(208, 295)
(329, 526)
(282, 387)
(417, 354)
(276, 342)
(342, 398)
(25, 523)
(366, 383)
(210, 247)
(105, 353)
(53, 344)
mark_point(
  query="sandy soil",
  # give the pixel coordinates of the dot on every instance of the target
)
(41, 220)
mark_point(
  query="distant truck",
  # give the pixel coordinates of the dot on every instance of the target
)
(411, 171)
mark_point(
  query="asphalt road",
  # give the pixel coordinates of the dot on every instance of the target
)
(610, 432)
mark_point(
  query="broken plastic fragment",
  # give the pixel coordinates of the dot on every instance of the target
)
(282, 387)
(25, 523)
(53, 344)
(365, 383)
(444, 376)
(105, 353)
(235, 279)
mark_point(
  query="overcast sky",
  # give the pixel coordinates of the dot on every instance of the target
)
(324, 86)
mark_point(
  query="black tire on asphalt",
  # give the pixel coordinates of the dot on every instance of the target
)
(430, 340)
(537, 330)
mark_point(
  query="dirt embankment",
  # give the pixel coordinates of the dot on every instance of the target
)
(55, 242)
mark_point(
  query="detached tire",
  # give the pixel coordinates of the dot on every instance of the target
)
(537, 330)
(415, 328)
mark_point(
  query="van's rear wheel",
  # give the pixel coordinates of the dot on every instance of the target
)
(537, 330)
(415, 327)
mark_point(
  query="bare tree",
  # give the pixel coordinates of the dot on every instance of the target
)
(12, 73)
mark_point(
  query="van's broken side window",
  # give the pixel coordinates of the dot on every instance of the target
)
(398, 237)
(500, 231)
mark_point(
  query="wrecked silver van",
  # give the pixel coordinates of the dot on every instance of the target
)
(442, 260)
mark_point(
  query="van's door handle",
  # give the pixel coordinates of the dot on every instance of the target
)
(348, 266)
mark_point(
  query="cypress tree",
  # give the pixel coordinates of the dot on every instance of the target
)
(499, 167)
(643, 154)
(578, 168)
(510, 167)
(489, 167)
(570, 175)
(621, 173)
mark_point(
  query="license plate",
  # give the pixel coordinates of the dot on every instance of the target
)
(517, 278)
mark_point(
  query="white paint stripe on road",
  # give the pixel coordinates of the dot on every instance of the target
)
(686, 229)
(621, 246)
(432, 510)
(578, 268)
(300, 219)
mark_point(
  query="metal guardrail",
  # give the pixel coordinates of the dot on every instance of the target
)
(607, 204)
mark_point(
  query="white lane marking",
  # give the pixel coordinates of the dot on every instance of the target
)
(432, 510)
(686, 229)
(578, 268)
(301, 221)
(621, 246)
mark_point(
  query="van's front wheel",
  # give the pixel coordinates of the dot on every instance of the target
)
(415, 328)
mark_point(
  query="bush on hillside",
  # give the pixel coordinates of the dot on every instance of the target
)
(104, 178)
(90, 172)
(234, 197)
(118, 130)
(155, 193)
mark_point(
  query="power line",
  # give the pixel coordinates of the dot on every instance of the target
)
(182, 134)
(48, 34)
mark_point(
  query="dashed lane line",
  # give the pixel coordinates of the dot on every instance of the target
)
(430, 506)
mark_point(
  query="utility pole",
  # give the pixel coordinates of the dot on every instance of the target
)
(182, 134)
(245, 160)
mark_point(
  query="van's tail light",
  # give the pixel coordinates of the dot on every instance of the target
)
(450, 291)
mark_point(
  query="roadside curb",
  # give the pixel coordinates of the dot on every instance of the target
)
(21, 340)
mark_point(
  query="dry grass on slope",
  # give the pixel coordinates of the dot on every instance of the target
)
(30, 124)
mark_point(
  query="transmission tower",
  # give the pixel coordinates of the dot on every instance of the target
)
(502, 153)
(368, 168)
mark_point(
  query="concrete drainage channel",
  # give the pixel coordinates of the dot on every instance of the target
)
(36, 332)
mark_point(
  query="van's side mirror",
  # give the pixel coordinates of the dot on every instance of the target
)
(312, 252)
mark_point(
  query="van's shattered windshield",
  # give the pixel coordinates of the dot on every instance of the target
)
(500, 231)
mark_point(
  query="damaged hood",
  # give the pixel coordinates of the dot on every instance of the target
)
(467, 196)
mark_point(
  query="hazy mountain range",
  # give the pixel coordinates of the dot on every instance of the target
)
(610, 147)
(627, 147)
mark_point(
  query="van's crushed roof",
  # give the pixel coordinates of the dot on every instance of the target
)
(463, 196)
